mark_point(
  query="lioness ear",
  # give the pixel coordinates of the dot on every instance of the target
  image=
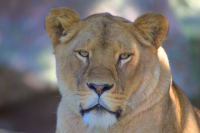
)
(59, 22)
(152, 28)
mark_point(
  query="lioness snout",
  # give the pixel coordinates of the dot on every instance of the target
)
(99, 89)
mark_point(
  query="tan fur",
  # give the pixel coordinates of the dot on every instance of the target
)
(143, 91)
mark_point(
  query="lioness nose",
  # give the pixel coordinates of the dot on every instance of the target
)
(99, 89)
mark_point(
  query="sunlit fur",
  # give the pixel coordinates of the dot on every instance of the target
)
(143, 91)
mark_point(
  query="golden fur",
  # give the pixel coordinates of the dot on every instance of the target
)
(135, 94)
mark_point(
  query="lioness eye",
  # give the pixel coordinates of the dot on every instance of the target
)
(124, 56)
(83, 53)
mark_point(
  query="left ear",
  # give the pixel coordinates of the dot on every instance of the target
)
(60, 20)
(151, 28)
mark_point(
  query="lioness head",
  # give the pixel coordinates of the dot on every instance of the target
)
(103, 60)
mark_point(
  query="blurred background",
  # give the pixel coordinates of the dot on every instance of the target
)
(28, 91)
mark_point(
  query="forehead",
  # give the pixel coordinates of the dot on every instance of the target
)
(105, 30)
(101, 30)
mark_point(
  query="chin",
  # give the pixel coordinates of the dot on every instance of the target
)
(96, 120)
(99, 118)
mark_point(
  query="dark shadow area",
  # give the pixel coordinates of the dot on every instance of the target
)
(34, 115)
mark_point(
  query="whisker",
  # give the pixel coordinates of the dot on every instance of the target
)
(129, 104)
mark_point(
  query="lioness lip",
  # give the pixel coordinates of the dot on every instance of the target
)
(101, 108)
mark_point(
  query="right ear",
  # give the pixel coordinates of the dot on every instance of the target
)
(59, 22)
(151, 28)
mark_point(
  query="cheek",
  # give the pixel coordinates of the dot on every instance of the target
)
(131, 66)
(78, 69)
(75, 65)
(128, 70)
(128, 76)
(66, 67)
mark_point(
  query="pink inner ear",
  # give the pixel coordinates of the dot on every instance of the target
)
(99, 88)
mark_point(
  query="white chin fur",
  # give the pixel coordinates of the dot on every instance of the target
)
(102, 121)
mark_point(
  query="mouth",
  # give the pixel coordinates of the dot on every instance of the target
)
(100, 110)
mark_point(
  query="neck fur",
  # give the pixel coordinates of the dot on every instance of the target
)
(156, 84)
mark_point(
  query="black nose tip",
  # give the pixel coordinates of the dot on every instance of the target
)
(99, 89)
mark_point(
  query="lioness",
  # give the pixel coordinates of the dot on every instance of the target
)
(114, 75)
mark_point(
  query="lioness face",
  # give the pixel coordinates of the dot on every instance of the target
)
(99, 63)
(99, 69)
